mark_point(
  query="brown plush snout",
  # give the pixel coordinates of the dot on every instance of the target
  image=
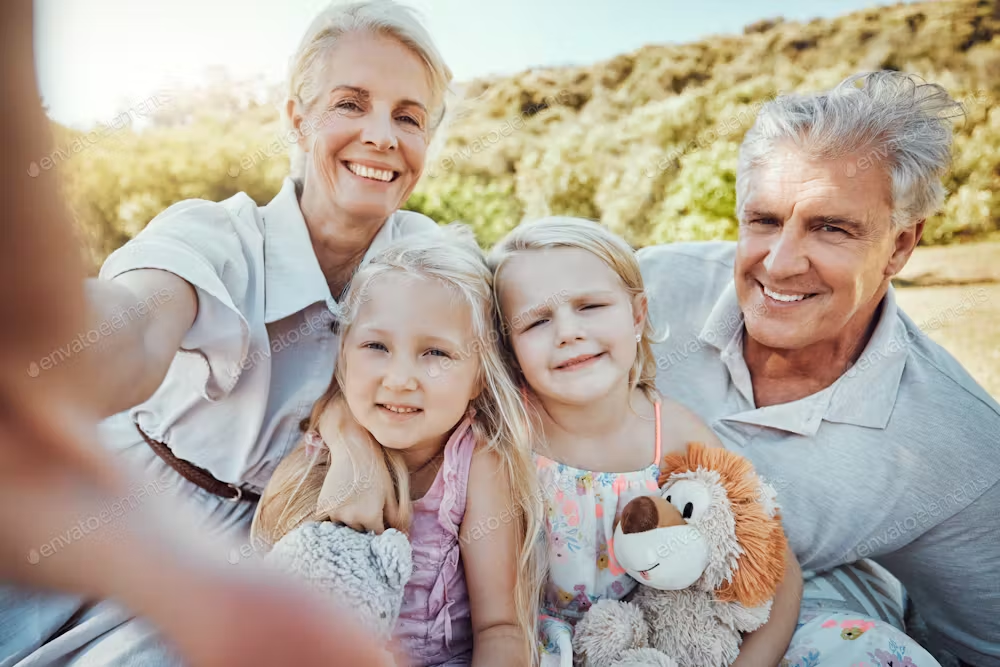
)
(649, 512)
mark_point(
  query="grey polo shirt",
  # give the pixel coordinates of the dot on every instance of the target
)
(898, 460)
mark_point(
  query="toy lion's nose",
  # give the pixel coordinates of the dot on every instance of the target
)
(649, 512)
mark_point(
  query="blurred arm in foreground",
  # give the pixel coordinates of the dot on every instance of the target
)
(52, 470)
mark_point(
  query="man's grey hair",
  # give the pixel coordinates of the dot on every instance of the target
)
(899, 122)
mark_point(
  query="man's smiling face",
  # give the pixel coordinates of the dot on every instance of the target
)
(817, 248)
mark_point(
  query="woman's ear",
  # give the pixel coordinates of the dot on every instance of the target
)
(295, 115)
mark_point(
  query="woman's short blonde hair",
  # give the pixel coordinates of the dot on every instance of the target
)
(614, 251)
(378, 17)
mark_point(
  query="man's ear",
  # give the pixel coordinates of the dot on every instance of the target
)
(905, 243)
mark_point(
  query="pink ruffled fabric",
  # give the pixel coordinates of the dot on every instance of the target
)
(435, 623)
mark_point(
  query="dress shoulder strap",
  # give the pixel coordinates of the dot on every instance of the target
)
(656, 456)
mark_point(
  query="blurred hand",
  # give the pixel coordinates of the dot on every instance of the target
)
(53, 471)
(358, 489)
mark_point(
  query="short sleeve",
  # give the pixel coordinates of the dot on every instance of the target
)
(412, 222)
(952, 573)
(201, 242)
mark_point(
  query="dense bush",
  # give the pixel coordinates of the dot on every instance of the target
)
(645, 142)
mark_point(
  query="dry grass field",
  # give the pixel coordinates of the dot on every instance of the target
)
(953, 292)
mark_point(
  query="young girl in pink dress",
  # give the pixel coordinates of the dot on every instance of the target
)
(421, 374)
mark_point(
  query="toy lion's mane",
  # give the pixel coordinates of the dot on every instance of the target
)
(762, 565)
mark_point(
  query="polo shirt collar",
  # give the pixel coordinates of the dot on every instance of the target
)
(865, 395)
(867, 391)
(293, 279)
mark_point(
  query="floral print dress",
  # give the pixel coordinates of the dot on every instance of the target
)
(581, 507)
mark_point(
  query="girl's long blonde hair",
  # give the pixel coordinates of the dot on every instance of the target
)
(568, 232)
(501, 423)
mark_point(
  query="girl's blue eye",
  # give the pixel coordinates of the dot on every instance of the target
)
(375, 346)
(439, 353)
(535, 324)
(591, 306)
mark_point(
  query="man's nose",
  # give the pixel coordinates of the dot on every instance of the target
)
(787, 255)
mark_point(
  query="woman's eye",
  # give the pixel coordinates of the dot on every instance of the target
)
(409, 120)
(349, 105)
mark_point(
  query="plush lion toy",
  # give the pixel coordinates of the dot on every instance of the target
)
(709, 551)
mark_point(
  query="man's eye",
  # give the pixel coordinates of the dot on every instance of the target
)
(831, 228)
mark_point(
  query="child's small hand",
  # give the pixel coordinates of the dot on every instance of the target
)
(357, 491)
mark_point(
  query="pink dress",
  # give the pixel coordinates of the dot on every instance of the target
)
(435, 623)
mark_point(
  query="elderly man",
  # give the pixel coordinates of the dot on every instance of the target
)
(791, 345)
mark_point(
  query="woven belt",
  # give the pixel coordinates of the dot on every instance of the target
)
(199, 476)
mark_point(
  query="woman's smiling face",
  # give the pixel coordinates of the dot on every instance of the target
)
(367, 133)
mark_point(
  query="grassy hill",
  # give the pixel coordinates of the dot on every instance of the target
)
(645, 142)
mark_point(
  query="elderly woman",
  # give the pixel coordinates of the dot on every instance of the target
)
(791, 345)
(218, 320)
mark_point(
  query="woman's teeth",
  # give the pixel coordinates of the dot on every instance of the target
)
(784, 297)
(369, 172)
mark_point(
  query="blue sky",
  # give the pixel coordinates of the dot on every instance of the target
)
(99, 56)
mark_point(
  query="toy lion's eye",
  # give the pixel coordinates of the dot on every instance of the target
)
(668, 499)
(688, 511)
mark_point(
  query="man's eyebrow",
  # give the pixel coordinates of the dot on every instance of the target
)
(760, 213)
